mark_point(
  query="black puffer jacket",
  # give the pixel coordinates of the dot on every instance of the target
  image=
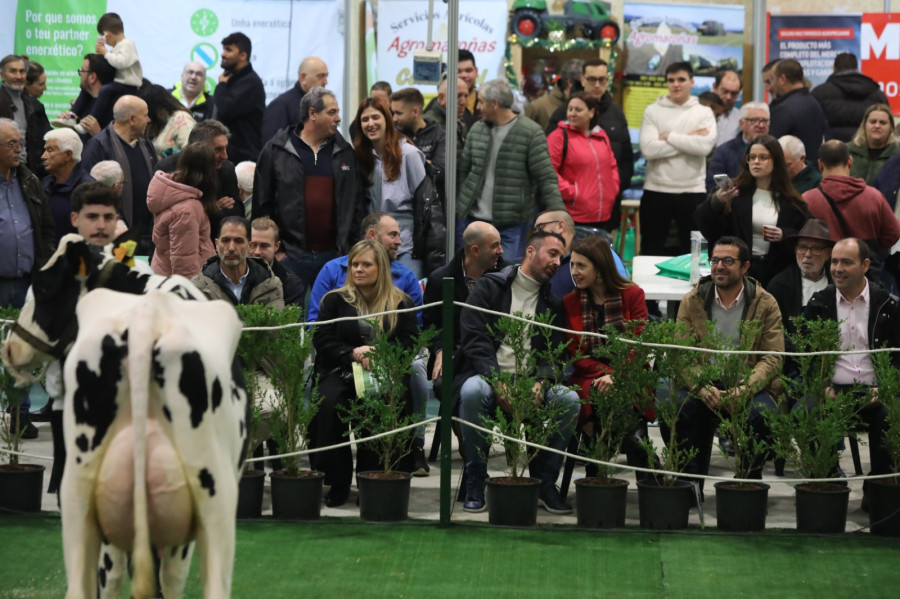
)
(844, 97)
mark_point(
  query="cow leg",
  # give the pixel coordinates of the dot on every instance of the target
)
(111, 571)
(173, 573)
(216, 537)
(80, 531)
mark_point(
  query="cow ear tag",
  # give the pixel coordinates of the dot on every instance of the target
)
(82, 268)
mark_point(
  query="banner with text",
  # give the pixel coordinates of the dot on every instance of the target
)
(402, 28)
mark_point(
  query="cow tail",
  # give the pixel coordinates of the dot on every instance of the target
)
(141, 338)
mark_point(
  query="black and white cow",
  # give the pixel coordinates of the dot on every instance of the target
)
(154, 418)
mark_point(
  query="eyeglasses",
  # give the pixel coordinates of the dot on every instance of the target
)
(84, 72)
(15, 144)
(816, 250)
(596, 80)
(727, 261)
(194, 73)
(758, 157)
(540, 226)
(757, 121)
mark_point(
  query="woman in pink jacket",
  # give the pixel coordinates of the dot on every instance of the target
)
(584, 162)
(179, 203)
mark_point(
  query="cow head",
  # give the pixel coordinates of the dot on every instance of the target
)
(47, 325)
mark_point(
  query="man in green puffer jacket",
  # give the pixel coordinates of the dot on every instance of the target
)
(504, 160)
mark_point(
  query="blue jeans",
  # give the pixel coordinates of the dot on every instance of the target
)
(478, 405)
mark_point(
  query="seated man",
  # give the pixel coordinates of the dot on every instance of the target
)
(264, 243)
(233, 276)
(383, 228)
(727, 296)
(524, 289)
(868, 317)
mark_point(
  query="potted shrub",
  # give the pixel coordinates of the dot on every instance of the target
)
(807, 436)
(21, 485)
(285, 362)
(883, 495)
(381, 407)
(740, 506)
(600, 500)
(665, 499)
(512, 499)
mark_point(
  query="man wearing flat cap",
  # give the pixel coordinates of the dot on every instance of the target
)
(793, 286)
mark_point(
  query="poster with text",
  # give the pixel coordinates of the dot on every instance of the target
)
(170, 33)
(402, 28)
(813, 41)
(879, 53)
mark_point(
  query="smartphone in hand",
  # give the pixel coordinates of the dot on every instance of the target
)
(723, 182)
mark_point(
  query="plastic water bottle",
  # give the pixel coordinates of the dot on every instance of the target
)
(698, 247)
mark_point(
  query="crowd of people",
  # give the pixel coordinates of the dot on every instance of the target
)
(272, 205)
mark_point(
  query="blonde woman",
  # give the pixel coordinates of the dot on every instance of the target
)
(875, 141)
(369, 289)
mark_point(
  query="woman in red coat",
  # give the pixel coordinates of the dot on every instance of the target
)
(602, 298)
(584, 162)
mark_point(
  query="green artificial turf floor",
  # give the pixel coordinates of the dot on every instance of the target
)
(347, 558)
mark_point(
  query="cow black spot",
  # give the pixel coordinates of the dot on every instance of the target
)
(208, 482)
(238, 383)
(77, 459)
(101, 575)
(192, 385)
(125, 336)
(167, 413)
(156, 367)
(184, 552)
(216, 394)
(107, 561)
(242, 429)
(95, 395)
(82, 442)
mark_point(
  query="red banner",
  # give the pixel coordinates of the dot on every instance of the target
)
(880, 53)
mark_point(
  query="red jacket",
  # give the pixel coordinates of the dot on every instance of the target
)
(634, 307)
(589, 178)
(867, 213)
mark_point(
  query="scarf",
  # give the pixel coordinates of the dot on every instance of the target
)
(612, 317)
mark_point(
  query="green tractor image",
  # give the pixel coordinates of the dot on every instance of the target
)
(530, 19)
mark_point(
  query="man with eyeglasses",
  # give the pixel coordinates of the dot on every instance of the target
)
(677, 134)
(726, 297)
(794, 286)
(727, 86)
(27, 238)
(94, 73)
(595, 81)
(192, 91)
(754, 121)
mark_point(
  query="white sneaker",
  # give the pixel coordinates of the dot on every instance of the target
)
(80, 130)
(68, 123)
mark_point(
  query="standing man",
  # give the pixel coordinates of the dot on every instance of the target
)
(677, 134)
(233, 276)
(28, 114)
(240, 98)
(436, 112)
(504, 161)
(794, 110)
(726, 297)
(27, 239)
(803, 176)
(192, 90)
(729, 156)
(62, 162)
(595, 81)
(406, 107)
(846, 95)
(307, 182)
(284, 111)
(123, 140)
(264, 243)
(521, 289)
(868, 317)
(468, 72)
(728, 87)
(848, 206)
